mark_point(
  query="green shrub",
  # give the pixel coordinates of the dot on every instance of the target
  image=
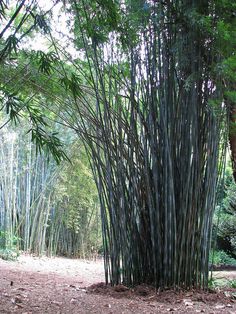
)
(8, 246)
(224, 222)
(214, 283)
(9, 254)
(221, 258)
(232, 283)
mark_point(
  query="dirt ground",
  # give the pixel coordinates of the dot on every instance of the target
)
(60, 285)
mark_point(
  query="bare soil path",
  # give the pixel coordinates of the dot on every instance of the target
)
(59, 285)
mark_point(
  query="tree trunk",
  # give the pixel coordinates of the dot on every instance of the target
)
(232, 136)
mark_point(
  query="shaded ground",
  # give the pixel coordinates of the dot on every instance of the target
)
(59, 285)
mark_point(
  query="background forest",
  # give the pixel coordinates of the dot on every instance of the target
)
(46, 208)
(117, 129)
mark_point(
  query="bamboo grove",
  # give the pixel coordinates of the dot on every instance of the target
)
(145, 99)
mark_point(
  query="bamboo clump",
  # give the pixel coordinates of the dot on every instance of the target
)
(154, 139)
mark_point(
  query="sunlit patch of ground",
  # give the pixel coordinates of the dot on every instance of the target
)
(225, 274)
(88, 271)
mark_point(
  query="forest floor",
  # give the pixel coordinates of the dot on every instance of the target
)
(60, 285)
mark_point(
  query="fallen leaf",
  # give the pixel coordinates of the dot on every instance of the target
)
(152, 305)
(57, 303)
(81, 289)
(21, 295)
(19, 306)
(219, 306)
(120, 288)
(188, 302)
(16, 300)
(227, 294)
(108, 305)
